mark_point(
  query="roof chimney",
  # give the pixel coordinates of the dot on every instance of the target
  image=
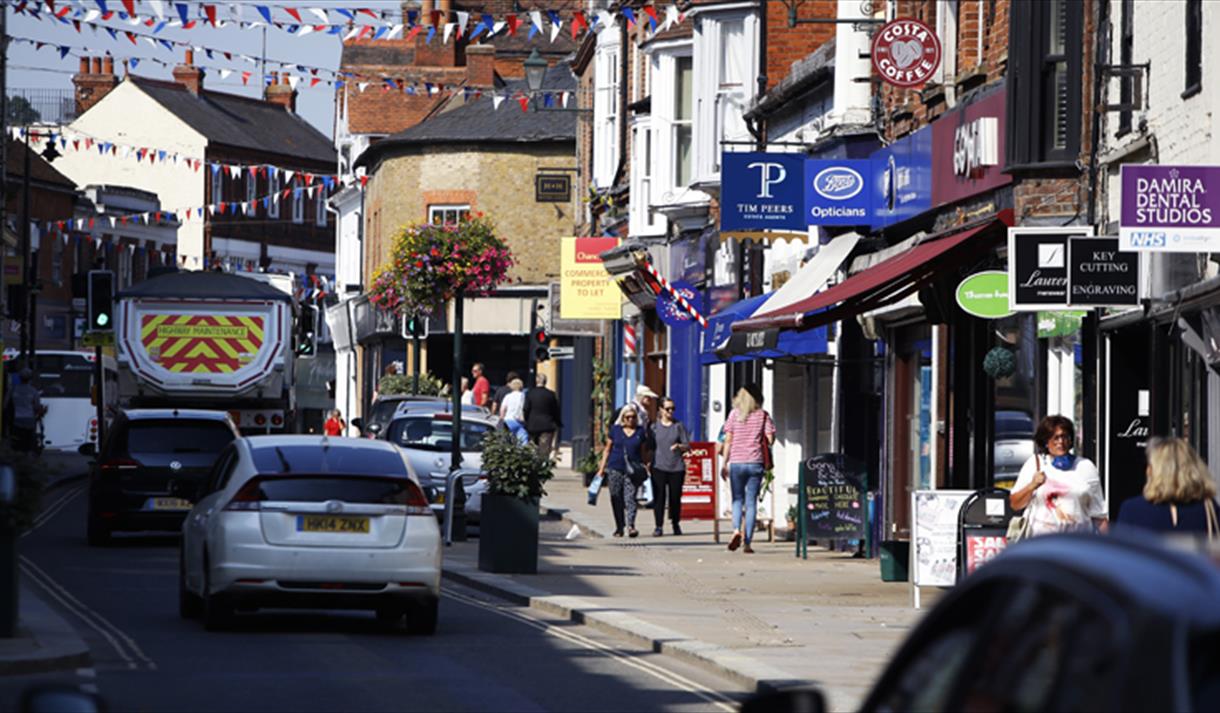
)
(188, 75)
(93, 82)
(281, 92)
(481, 66)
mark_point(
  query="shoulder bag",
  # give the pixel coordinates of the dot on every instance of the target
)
(768, 459)
(1213, 521)
(633, 469)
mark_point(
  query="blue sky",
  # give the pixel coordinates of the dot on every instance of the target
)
(27, 65)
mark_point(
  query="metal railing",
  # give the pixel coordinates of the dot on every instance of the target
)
(41, 106)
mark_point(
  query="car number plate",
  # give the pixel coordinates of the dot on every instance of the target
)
(167, 504)
(332, 523)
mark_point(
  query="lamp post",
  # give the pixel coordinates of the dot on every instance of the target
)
(30, 307)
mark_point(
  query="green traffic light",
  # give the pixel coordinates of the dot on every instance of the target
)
(103, 319)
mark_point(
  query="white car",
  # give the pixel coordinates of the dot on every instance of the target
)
(311, 522)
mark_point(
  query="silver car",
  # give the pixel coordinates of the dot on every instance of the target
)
(1014, 445)
(315, 522)
(426, 437)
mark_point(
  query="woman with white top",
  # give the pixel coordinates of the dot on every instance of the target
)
(1061, 490)
(512, 410)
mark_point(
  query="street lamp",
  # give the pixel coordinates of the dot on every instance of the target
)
(29, 308)
(535, 71)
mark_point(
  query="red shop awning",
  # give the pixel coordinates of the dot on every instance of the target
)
(884, 283)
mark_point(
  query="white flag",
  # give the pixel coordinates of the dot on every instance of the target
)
(395, 31)
(293, 80)
(536, 19)
(463, 18)
(496, 100)
(671, 17)
(92, 15)
(113, 220)
(563, 99)
(362, 86)
(224, 74)
(288, 176)
(158, 7)
(352, 33)
(321, 15)
(555, 28)
(448, 31)
(305, 30)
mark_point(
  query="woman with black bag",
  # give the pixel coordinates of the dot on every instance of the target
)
(627, 450)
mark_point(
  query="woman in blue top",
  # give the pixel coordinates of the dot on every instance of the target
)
(623, 463)
(1179, 496)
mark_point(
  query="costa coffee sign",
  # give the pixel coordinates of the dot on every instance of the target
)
(906, 52)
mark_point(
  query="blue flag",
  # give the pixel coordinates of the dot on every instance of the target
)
(182, 11)
(264, 11)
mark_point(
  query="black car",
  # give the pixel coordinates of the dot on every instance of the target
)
(131, 481)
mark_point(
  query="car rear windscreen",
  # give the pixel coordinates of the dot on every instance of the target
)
(177, 436)
(337, 458)
(348, 489)
(429, 433)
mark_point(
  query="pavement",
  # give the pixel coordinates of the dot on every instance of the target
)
(765, 621)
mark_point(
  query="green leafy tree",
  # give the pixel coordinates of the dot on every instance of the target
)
(20, 111)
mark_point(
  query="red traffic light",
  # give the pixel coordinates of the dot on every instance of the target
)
(541, 336)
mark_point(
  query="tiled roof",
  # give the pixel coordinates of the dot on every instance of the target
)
(480, 121)
(241, 122)
(40, 169)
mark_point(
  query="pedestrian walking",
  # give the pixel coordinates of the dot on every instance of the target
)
(1179, 495)
(503, 391)
(623, 464)
(749, 432)
(335, 424)
(467, 394)
(1062, 491)
(512, 410)
(25, 402)
(542, 420)
(481, 389)
(645, 404)
(672, 443)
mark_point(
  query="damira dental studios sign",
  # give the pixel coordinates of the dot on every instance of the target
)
(1170, 209)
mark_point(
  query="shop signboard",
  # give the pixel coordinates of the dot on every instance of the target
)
(1100, 274)
(837, 193)
(675, 315)
(902, 179)
(934, 528)
(587, 291)
(699, 486)
(762, 191)
(834, 499)
(1059, 324)
(1038, 267)
(905, 52)
(984, 294)
(967, 146)
(1170, 208)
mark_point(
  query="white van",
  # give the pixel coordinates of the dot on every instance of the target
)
(65, 379)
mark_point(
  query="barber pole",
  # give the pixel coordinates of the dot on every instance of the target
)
(629, 344)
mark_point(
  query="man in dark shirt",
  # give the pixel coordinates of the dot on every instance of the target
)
(542, 420)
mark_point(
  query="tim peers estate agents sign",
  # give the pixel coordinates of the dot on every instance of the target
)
(906, 52)
(762, 191)
(1170, 209)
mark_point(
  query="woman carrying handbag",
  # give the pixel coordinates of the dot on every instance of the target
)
(748, 435)
(627, 450)
(1059, 491)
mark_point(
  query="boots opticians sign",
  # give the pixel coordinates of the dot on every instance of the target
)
(906, 52)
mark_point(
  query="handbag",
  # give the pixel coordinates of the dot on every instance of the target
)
(594, 488)
(1213, 521)
(634, 470)
(643, 494)
(768, 459)
(1018, 528)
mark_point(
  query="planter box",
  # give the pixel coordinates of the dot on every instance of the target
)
(508, 535)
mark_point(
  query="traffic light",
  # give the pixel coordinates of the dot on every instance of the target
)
(100, 301)
(541, 344)
(307, 331)
(415, 327)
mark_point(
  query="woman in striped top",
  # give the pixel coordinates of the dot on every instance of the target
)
(747, 427)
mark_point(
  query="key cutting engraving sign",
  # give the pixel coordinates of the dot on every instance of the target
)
(1038, 267)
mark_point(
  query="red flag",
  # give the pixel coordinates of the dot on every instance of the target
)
(149, 22)
(314, 82)
(210, 11)
(76, 144)
(293, 11)
(436, 18)
(364, 32)
(130, 6)
(91, 224)
(368, 12)
(108, 15)
(364, 181)
(131, 37)
(245, 77)
(414, 31)
(76, 24)
(189, 25)
(524, 101)
(578, 21)
(513, 23)
(652, 12)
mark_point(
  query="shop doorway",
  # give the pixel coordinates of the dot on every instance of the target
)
(911, 425)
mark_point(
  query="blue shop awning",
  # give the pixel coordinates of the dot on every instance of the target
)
(720, 345)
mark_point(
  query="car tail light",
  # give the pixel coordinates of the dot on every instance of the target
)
(116, 464)
(277, 420)
(249, 497)
(417, 502)
(260, 420)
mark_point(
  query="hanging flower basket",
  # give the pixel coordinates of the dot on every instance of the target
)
(1000, 363)
(431, 264)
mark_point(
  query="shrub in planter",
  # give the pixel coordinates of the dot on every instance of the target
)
(508, 527)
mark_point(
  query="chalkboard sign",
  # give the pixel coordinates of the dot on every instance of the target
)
(835, 501)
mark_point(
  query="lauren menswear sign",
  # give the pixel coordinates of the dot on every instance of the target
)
(1038, 266)
(762, 191)
(984, 295)
(1100, 274)
(906, 52)
(837, 192)
(586, 290)
(1170, 209)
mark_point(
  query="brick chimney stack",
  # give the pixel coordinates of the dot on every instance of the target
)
(281, 92)
(93, 81)
(481, 66)
(188, 75)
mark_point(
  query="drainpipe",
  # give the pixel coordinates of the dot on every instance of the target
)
(1091, 336)
(760, 135)
(622, 98)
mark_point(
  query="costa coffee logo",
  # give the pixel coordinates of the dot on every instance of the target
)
(906, 52)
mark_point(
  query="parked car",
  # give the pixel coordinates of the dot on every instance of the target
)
(426, 436)
(1067, 623)
(1014, 445)
(145, 451)
(306, 521)
(383, 409)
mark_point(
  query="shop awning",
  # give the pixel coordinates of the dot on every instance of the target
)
(720, 345)
(883, 283)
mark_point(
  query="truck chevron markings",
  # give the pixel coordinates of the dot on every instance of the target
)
(195, 344)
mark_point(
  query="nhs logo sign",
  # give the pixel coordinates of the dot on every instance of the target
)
(762, 191)
(837, 192)
(1143, 239)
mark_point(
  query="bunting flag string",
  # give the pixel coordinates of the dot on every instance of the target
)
(349, 23)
